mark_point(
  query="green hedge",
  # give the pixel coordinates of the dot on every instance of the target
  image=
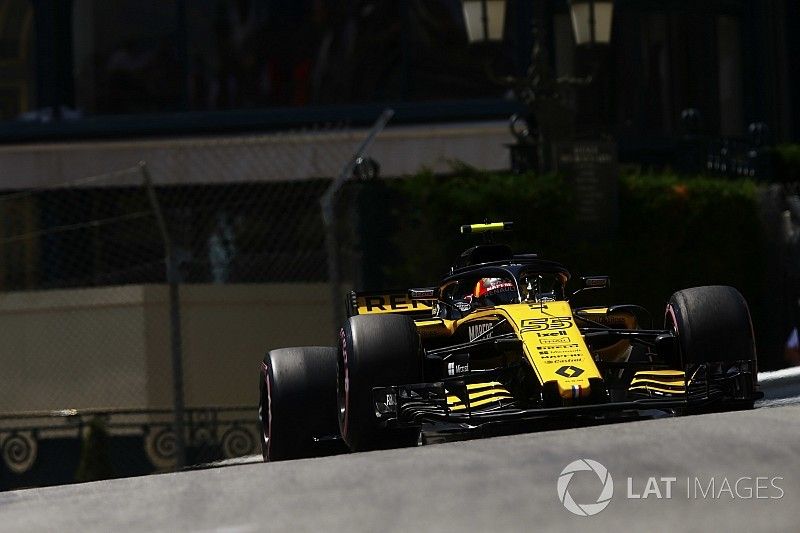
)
(428, 211)
(787, 162)
(678, 233)
(674, 232)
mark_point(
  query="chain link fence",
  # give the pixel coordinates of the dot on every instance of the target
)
(136, 304)
(73, 255)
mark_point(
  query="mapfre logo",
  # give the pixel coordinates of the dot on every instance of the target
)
(585, 509)
(479, 330)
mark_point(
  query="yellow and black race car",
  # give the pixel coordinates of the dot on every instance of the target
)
(498, 344)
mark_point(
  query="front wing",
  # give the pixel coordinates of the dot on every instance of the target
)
(706, 387)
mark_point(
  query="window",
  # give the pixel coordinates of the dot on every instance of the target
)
(126, 56)
(564, 45)
(730, 75)
(16, 58)
(141, 56)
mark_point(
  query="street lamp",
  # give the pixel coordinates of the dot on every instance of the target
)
(545, 95)
(591, 21)
(485, 19)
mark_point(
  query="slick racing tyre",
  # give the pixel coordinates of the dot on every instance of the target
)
(712, 325)
(375, 351)
(297, 401)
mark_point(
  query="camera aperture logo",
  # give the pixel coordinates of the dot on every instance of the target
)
(585, 509)
(752, 487)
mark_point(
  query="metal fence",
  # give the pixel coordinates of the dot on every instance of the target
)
(136, 307)
(70, 255)
(68, 445)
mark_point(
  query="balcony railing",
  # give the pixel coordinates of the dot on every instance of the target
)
(64, 446)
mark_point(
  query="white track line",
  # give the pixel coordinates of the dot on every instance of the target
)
(784, 376)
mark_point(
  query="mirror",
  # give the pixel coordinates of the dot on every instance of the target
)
(425, 293)
(591, 283)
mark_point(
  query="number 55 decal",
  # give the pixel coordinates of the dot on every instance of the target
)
(541, 324)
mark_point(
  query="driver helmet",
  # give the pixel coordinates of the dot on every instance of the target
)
(494, 291)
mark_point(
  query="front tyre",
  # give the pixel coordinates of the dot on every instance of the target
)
(712, 325)
(297, 402)
(375, 351)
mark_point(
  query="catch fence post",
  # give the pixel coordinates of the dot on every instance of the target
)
(176, 341)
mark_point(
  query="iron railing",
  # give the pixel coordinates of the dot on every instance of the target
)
(63, 446)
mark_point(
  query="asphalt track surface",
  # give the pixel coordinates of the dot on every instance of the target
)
(497, 484)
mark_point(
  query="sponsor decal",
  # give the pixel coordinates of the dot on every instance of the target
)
(493, 286)
(422, 293)
(595, 283)
(614, 321)
(266, 429)
(554, 334)
(476, 330)
(457, 368)
(458, 364)
(569, 371)
(463, 306)
(344, 414)
(556, 341)
(558, 349)
(390, 302)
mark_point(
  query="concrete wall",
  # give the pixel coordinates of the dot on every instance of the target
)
(110, 347)
(400, 150)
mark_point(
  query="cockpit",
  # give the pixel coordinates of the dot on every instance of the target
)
(501, 286)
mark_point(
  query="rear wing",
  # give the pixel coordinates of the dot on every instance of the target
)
(390, 301)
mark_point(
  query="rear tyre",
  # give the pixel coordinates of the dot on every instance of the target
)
(297, 401)
(713, 325)
(375, 351)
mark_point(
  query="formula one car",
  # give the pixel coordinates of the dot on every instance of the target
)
(498, 344)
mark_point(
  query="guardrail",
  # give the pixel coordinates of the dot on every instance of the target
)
(782, 383)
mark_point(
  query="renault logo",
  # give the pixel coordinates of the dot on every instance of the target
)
(569, 371)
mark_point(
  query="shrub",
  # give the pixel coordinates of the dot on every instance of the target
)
(674, 232)
(787, 162)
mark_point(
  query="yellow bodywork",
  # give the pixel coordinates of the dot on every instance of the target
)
(617, 351)
(661, 382)
(484, 228)
(554, 346)
(551, 342)
(479, 395)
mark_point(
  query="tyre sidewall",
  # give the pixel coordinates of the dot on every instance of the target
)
(374, 351)
(712, 324)
(297, 401)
